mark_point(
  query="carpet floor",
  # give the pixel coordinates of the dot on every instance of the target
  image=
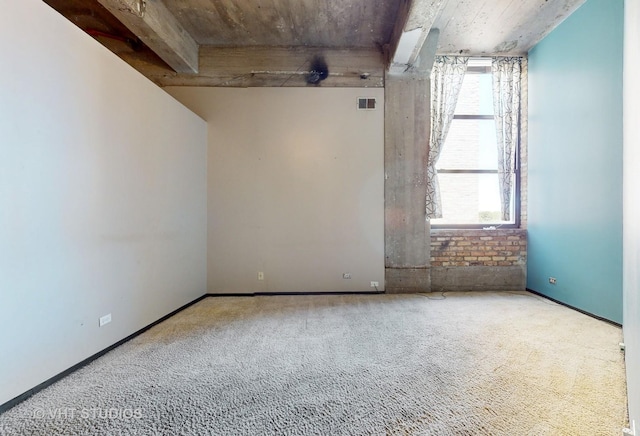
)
(493, 363)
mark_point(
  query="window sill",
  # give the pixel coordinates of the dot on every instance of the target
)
(466, 231)
(487, 227)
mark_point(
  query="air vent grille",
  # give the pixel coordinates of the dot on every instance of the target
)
(366, 103)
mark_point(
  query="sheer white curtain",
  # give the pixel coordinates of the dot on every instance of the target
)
(506, 111)
(446, 81)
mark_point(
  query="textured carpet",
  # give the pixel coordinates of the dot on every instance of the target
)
(430, 364)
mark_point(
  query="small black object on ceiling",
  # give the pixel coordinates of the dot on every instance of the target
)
(318, 71)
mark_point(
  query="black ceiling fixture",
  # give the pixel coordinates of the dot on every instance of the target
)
(318, 71)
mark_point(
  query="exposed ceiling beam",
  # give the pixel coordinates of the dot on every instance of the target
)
(427, 56)
(277, 66)
(415, 20)
(152, 22)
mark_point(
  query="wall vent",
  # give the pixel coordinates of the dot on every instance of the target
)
(366, 103)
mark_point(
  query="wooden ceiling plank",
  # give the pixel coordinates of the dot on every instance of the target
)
(152, 22)
(414, 21)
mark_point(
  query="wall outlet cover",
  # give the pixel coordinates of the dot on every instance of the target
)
(104, 320)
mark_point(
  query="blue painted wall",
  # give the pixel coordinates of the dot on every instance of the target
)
(575, 161)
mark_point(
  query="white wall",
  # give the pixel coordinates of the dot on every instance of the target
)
(631, 262)
(296, 188)
(102, 198)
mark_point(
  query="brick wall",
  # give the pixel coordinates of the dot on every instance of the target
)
(494, 248)
(478, 260)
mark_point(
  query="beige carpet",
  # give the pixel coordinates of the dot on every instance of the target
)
(458, 364)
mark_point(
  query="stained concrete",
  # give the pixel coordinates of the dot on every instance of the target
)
(479, 278)
(407, 280)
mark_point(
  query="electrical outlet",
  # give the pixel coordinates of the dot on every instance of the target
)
(104, 320)
(374, 284)
(346, 275)
(552, 280)
(260, 275)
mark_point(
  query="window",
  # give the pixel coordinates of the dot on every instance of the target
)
(468, 165)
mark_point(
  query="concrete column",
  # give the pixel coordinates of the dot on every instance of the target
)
(407, 128)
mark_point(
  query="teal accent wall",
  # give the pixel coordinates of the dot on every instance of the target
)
(575, 161)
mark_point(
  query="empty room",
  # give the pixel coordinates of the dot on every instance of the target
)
(305, 217)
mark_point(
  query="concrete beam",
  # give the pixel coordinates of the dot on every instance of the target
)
(151, 21)
(427, 56)
(415, 21)
(278, 66)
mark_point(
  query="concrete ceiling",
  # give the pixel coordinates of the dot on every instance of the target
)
(274, 42)
(498, 27)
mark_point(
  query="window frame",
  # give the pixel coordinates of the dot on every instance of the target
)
(477, 69)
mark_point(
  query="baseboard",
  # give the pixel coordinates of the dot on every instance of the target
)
(562, 303)
(231, 294)
(267, 294)
(20, 398)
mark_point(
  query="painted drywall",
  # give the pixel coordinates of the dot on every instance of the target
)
(575, 161)
(102, 198)
(631, 265)
(296, 185)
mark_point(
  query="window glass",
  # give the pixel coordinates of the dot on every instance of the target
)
(470, 144)
(476, 95)
(469, 199)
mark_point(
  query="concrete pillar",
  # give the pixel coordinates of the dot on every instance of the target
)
(407, 126)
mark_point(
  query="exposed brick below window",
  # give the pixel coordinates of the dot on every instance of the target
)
(500, 247)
